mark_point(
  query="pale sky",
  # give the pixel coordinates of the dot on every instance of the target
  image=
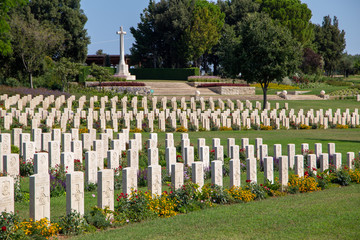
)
(105, 18)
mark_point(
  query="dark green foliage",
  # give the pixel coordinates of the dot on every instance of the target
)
(330, 43)
(5, 7)
(32, 42)
(73, 224)
(341, 177)
(293, 15)
(69, 18)
(165, 73)
(267, 51)
(99, 218)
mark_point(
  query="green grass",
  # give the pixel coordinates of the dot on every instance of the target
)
(329, 214)
(306, 105)
(346, 140)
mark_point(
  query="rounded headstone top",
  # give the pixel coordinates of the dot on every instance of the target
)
(322, 92)
(197, 93)
(284, 92)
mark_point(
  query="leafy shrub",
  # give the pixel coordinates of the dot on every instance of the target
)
(99, 218)
(341, 177)
(26, 168)
(73, 224)
(134, 207)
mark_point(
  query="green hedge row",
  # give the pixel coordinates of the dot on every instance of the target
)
(165, 73)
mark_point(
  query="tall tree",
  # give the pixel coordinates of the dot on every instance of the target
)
(292, 14)
(225, 55)
(32, 42)
(267, 51)
(204, 31)
(160, 39)
(330, 42)
(65, 15)
(5, 7)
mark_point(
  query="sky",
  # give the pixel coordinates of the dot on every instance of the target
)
(105, 18)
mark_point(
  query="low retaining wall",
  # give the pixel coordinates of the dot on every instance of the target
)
(230, 90)
(195, 84)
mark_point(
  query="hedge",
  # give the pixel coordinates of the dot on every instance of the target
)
(165, 73)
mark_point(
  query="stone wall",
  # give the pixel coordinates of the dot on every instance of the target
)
(229, 90)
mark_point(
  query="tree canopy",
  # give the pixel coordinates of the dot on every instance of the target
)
(204, 31)
(292, 14)
(33, 41)
(67, 16)
(5, 7)
(172, 33)
(266, 52)
(330, 42)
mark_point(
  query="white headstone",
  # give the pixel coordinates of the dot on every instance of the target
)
(75, 192)
(105, 196)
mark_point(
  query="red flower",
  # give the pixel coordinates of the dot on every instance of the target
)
(314, 169)
(261, 185)
(213, 150)
(319, 177)
(3, 228)
(248, 180)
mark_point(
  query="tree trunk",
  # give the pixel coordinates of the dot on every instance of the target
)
(31, 80)
(264, 97)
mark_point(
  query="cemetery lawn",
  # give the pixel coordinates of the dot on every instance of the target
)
(346, 140)
(329, 214)
(306, 105)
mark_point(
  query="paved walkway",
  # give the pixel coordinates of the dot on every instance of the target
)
(182, 89)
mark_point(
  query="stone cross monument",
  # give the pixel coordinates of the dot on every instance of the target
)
(123, 68)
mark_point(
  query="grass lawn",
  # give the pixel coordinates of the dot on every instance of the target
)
(306, 105)
(329, 214)
(347, 140)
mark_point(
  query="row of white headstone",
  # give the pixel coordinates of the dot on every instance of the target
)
(240, 116)
(40, 181)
